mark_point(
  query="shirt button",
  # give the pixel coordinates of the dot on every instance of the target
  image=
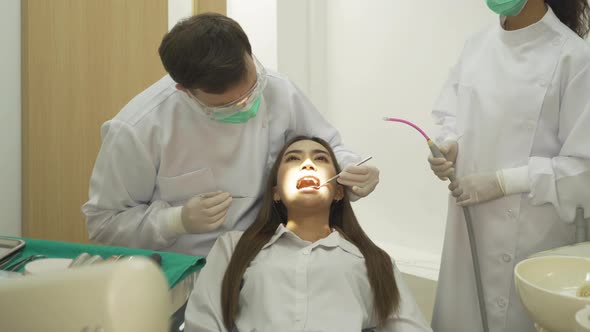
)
(305, 252)
(501, 303)
(510, 213)
(506, 258)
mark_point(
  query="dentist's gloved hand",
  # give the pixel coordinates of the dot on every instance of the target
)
(444, 167)
(205, 212)
(477, 188)
(362, 179)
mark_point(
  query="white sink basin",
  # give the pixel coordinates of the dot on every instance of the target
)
(549, 288)
(583, 320)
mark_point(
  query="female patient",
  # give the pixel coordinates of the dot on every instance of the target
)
(304, 265)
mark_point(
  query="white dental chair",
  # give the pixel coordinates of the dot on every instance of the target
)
(110, 297)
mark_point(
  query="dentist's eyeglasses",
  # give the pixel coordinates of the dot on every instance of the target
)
(241, 104)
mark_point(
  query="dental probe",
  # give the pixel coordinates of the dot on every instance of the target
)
(338, 175)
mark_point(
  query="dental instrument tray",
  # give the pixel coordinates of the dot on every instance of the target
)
(9, 248)
(175, 266)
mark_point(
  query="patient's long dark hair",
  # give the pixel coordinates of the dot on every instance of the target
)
(379, 266)
(573, 13)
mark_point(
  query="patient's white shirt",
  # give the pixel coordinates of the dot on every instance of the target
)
(296, 285)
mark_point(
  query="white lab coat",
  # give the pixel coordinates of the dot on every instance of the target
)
(294, 285)
(160, 150)
(515, 98)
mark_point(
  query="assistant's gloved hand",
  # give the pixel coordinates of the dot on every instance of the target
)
(444, 167)
(362, 179)
(205, 212)
(477, 188)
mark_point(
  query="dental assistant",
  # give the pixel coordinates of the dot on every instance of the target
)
(515, 117)
(185, 160)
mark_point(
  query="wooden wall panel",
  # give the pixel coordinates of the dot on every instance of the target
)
(83, 60)
(216, 6)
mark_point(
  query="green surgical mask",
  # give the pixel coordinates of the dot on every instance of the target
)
(243, 116)
(506, 7)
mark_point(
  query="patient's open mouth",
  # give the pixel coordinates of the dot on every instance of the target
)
(308, 181)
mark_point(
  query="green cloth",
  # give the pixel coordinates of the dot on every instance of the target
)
(175, 266)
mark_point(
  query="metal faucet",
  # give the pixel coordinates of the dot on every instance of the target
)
(581, 226)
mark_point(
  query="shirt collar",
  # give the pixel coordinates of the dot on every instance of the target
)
(278, 233)
(533, 31)
(335, 239)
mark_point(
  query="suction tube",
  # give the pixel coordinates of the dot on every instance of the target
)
(468, 222)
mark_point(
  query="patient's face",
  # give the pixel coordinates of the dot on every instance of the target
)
(304, 165)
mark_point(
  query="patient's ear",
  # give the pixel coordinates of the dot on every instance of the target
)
(275, 195)
(339, 193)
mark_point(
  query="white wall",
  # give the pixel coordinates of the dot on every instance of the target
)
(390, 58)
(177, 10)
(10, 119)
(301, 46)
(258, 18)
(293, 41)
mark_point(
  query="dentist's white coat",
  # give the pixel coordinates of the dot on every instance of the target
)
(515, 98)
(160, 150)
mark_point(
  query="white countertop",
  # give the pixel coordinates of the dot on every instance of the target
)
(580, 249)
(411, 261)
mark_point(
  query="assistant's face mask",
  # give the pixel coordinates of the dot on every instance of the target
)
(243, 109)
(506, 7)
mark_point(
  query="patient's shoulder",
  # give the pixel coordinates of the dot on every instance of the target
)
(228, 241)
(232, 237)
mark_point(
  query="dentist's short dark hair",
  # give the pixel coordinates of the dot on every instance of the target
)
(207, 52)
